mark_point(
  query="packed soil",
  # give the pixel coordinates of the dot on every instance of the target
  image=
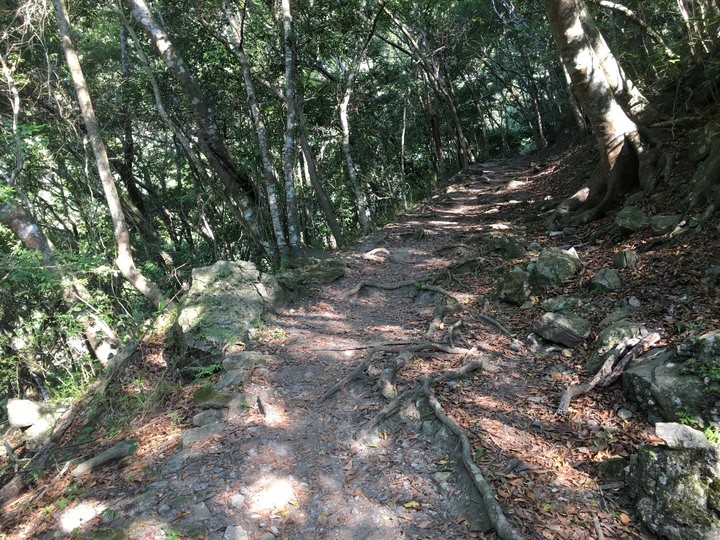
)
(291, 465)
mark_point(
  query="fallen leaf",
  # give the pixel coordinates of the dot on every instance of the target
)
(412, 504)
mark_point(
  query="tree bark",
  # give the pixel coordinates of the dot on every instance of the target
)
(271, 175)
(290, 126)
(124, 260)
(616, 134)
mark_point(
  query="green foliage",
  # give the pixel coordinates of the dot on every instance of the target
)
(203, 372)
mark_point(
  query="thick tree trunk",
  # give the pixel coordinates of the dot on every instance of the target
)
(236, 184)
(124, 260)
(617, 135)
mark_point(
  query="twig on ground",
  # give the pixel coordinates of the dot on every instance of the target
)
(492, 507)
(609, 371)
(598, 528)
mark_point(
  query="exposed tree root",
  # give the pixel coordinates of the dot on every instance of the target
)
(386, 287)
(439, 314)
(414, 347)
(379, 255)
(492, 507)
(477, 261)
(493, 322)
(433, 288)
(624, 353)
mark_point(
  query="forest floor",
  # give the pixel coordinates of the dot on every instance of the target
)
(295, 468)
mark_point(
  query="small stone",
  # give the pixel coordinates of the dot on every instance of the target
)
(267, 536)
(630, 219)
(633, 302)
(515, 345)
(237, 500)
(566, 329)
(606, 279)
(664, 224)
(536, 399)
(274, 530)
(201, 511)
(625, 259)
(624, 414)
(235, 532)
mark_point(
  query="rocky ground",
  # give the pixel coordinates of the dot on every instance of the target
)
(287, 459)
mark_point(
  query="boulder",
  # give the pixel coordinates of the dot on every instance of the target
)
(615, 316)
(701, 141)
(662, 224)
(677, 492)
(679, 436)
(704, 181)
(318, 273)
(225, 301)
(37, 418)
(565, 328)
(607, 340)
(606, 279)
(625, 259)
(630, 219)
(553, 266)
(507, 246)
(659, 383)
(515, 287)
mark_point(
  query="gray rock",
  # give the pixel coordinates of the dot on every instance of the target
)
(509, 247)
(662, 224)
(237, 500)
(705, 178)
(318, 273)
(624, 414)
(226, 300)
(200, 434)
(515, 287)
(633, 302)
(553, 266)
(711, 278)
(209, 416)
(630, 219)
(606, 279)
(567, 329)
(679, 436)
(614, 317)
(209, 398)
(701, 141)
(658, 383)
(201, 511)
(676, 491)
(607, 340)
(234, 377)
(23, 413)
(625, 259)
(561, 303)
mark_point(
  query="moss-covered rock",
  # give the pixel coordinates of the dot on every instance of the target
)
(676, 491)
(607, 340)
(552, 267)
(209, 398)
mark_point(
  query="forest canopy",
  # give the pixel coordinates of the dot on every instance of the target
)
(141, 140)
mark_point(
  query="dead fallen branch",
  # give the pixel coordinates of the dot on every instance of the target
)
(624, 353)
(378, 255)
(492, 507)
(386, 287)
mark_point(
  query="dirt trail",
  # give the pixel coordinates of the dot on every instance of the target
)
(290, 467)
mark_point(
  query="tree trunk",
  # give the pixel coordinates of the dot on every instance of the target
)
(124, 260)
(289, 155)
(617, 136)
(257, 118)
(236, 184)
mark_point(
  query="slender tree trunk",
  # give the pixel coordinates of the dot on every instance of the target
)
(290, 125)
(617, 135)
(236, 184)
(311, 165)
(124, 260)
(257, 118)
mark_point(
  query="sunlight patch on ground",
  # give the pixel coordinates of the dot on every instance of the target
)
(273, 493)
(498, 226)
(75, 517)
